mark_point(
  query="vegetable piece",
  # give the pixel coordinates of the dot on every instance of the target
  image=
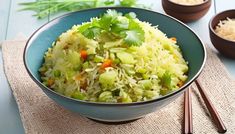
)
(79, 95)
(145, 76)
(57, 73)
(84, 27)
(85, 65)
(116, 92)
(164, 91)
(126, 58)
(106, 63)
(105, 96)
(92, 32)
(98, 59)
(74, 58)
(129, 68)
(108, 19)
(91, 48)
(107, 79)
(166, 80)
(173, 38)
(78, 77)
(69, 74)
(116, 61)
(91, 57)
(125, 97)
(146, 84)
(82, 79)
(134, 36)
(112, 56)
(180, 84)
(150, 94)
(122, 23)
(83, 54)
(50, 82)
(141, 70)
(138, 91)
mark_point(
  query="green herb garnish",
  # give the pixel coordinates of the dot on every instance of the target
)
(45, 7)
(112, 22)
(166, 80)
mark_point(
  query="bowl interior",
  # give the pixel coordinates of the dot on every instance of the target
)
(191, 46)
(190, 6)
(221, 16)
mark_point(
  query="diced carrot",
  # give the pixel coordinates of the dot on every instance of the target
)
(106, 63)
(83, 82)
(50, 82)
(78, 77)
(84, 54)
(180, 84)
(173, 38)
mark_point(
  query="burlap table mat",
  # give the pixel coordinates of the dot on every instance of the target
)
(40, 114)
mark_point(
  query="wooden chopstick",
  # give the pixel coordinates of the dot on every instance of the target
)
(188, 121)
(214, 114)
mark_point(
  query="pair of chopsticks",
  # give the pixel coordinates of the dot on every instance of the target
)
(188, 122)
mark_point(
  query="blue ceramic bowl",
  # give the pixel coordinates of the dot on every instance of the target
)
(192, 48)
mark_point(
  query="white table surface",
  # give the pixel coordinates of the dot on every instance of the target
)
(13, 22)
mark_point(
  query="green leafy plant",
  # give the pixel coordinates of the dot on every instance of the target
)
(45, 7)
(125, 28)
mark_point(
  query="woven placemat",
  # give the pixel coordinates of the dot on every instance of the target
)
(40, 114)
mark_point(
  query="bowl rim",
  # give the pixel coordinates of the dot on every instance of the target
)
(43, 87)
(196, 5)
(213, 30)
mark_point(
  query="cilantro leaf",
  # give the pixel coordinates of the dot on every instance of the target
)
(105, 22)
(95, 22)
(166, 83)
(135, 34)
(114, 23)
(166, 80)
(84, 27)
(120, 25)
(92, 32)
(108, 19)
(134, 25)
(133, 37)
(90, 29)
